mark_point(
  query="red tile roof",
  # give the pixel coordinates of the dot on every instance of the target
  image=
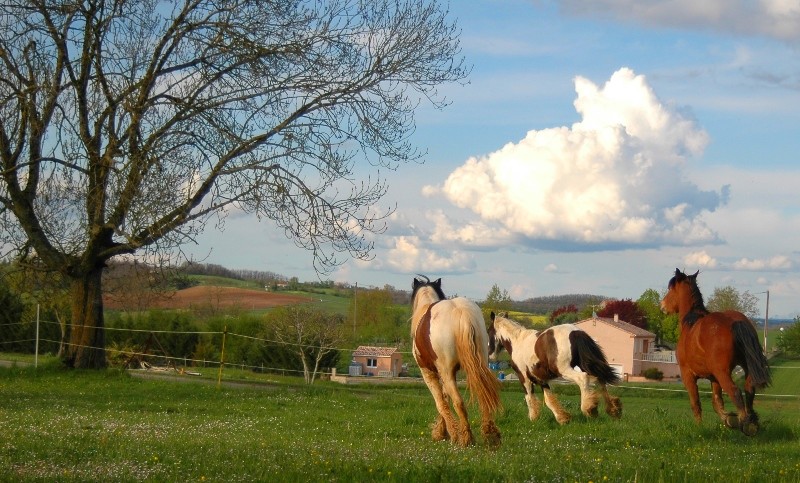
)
(619, 324)
(370, 351)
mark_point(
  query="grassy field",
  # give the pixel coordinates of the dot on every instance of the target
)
(60, 425)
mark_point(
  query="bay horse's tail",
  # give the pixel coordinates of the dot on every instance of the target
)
(587, 355)
(746, 343)
(481, 383)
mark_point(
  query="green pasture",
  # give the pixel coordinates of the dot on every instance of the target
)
(60, 425)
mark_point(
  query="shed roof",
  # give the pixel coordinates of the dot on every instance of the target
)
(621, 325)
(371, 351)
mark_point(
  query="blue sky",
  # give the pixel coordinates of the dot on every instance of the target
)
(599, 145)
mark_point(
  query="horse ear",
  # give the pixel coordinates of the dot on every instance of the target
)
(696, 274)
(491, 315)
(438, 282)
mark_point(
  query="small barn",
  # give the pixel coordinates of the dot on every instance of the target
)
(378, 361)
(628, 348)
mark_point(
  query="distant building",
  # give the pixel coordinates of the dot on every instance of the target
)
(629, 349)
(378, 361)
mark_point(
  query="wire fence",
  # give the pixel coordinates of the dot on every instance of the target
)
(159, 358)
(167, 361)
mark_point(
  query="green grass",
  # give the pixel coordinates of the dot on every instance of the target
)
(60, 425)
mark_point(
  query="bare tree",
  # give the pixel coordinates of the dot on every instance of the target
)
(309, 334)
(126, 126)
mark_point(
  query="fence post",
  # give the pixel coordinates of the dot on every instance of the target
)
(222, 357)
(36, 352)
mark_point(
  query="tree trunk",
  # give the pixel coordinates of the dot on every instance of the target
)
(62, 324)
(87, 344)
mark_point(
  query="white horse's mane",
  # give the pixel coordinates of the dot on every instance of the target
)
(511, 327)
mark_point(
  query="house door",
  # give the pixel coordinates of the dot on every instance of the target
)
(646, 346)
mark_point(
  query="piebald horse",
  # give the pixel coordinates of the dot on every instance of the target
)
(560, 351)
(710, 345)
(448, 335)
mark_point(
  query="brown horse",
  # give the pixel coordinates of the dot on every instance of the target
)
(710, 345)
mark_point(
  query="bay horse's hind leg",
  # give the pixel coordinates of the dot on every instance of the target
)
(746, 425)
(551, 401)
(444, 426)
(750, 426)
(730, 420)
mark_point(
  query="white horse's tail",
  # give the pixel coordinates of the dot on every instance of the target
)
(471, 349)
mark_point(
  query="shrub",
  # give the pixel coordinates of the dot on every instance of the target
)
(653, 373)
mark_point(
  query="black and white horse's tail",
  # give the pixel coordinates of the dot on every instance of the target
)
(589, 356)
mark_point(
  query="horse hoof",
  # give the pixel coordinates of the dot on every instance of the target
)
(750, 428)
(732, 421)
(492, 440)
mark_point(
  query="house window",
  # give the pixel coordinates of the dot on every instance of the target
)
(372, 362)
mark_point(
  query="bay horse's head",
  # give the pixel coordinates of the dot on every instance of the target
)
(423, 288)
(683, 294)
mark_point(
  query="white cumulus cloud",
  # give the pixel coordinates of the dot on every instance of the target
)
(410, 254)
(616, 178)
(776, 263)
(700, 259)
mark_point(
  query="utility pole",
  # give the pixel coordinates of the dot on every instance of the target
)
(355, 309)
(766, 323)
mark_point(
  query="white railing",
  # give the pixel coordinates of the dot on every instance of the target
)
(662, 356)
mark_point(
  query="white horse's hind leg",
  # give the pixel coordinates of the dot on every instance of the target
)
(444, 426)
(588, 395)
(613, 404)
(551, 401)
(463, 433)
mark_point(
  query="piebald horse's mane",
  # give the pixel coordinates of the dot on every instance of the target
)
(512, 327)
(504, 330)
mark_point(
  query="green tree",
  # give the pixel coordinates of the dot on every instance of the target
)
(497, 300)
(376, 319)
(13, 333)
(128, 125)
(728, 298)
(664, 326)
(789, 338)
(566, 314)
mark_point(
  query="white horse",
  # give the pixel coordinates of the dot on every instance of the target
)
(560, 351)
(448, 335)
